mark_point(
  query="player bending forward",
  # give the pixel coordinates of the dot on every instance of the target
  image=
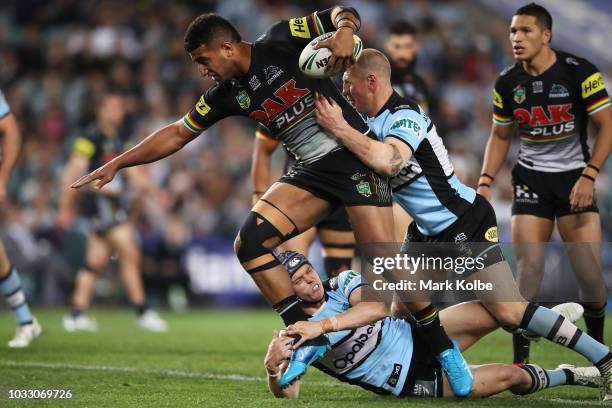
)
(391, 358)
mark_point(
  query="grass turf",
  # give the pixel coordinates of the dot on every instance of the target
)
(215, 359)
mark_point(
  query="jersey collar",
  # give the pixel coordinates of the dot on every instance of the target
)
(389, 104)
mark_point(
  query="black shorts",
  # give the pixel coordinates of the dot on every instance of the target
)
(338, 220)
(425, 377)
(341, 179)
(103, 212)
(473, 235)
(544, 195)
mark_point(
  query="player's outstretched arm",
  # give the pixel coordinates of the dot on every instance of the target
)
(358, 315)
(275, 363)
(386, 158)
(11, 144)
(156, 146)
(581, 195)
(495, 154)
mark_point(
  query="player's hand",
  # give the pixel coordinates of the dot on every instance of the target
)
(582, 194)
(329, 114)
(341, 45)
(485, 192)
(279, 351)
(104, 175)
(306, 331)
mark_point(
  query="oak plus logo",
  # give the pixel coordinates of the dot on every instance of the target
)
(288, 104)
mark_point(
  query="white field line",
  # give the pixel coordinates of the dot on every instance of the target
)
(213, 376)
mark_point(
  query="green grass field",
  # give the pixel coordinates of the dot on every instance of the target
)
(214, 359)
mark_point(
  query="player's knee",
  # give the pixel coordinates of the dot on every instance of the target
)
(508, 314)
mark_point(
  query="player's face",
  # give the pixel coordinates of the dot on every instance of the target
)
(401, 49)
(355, 89)
(307, 284)
(526, 37)
(214, 62)
(112, 110)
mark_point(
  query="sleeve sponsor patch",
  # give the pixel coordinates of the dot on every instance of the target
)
(202, 107)
(592, 85)
(497, 99)
(407, 124)
(299, 27)
(84, 147)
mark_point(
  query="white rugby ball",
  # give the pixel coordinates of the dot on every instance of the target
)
(313, 62)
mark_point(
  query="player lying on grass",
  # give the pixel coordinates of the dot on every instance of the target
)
(384, 354)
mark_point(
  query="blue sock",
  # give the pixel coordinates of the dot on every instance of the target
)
(550, 324)
(542, 378)
(556, 377)
(10, 288)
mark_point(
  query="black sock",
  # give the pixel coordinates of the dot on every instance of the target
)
(140, 309)
(594, 319)
(521, 349)
(290, 310)
(431, 330)
(76, 312)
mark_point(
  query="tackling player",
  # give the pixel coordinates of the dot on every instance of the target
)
(334, 231)
(263, 81)
(109, 230)
(384, 354)
(28, 327)
(550, 96)
(447, 214)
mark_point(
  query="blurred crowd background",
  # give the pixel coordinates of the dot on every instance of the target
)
(58, 57)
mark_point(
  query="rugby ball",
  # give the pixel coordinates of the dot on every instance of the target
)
(313, 62)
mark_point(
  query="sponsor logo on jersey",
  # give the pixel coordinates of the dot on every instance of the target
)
(294, 262)
(497, 99)
(538, 87)
(491, 234)
(254, 82)
(572, 61)
(364, 189)
(408, 124)
(519, 94)
(558, 91)
(333, 283)
(202, 107)
(358, 176)
(291, 103)
(272, 72)
(592, 85)
(358, 347)
(244, 100)
(460, 237)
(395, 375)
(537, 116)
(299, 27)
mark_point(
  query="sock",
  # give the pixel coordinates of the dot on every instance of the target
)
(521, 349)
(594, 319)
(542, 378)
(290, 310)
(75, 312)
(140, 309)
(10, 288)
(551, 325)
(429, 327)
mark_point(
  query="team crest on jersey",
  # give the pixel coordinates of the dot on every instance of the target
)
(519, 94)
(558, 91)
(244, 100)
(538, 87)
(254, 82)
(364, 189)
(272, 72)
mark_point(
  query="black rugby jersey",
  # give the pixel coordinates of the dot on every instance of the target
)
(277, 94)
(551, 111)
(99, 150)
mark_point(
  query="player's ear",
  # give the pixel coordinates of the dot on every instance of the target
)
(228, 49)
(372, 82)
(548, 36)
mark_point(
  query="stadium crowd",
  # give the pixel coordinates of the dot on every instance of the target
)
(57, 59)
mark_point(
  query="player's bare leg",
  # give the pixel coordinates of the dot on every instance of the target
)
(529, 237)
(401, 221)
(96, 258)
(338, 248)
(583, 233)
(28, 327)
(374, 226)
(301, 243)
